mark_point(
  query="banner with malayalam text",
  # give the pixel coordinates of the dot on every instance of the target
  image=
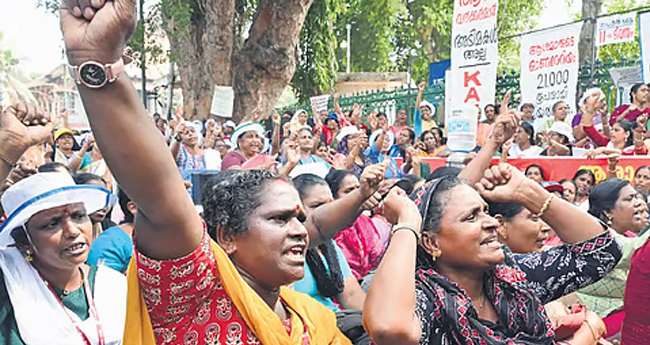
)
(616, 29)
(560, 168)
(549, 71)
(644, 40)
(474, 52)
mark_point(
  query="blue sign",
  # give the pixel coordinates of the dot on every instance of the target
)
(437, 70)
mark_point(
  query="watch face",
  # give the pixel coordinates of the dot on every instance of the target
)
(93, 74)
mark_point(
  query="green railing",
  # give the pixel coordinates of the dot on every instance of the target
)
(404, 97)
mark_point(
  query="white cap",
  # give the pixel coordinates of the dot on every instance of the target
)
(348, 130)
(44, 191)
(375, 135)
(563, 129)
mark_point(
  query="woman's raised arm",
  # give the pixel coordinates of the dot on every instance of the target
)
(167, 223)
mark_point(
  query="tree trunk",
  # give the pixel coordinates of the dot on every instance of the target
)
(203, 56)
(267, 61)
(213, 54)
(590, 9)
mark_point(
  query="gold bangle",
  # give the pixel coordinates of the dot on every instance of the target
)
(545, 206)
(6, 160)
(405, 226)
(593, 334)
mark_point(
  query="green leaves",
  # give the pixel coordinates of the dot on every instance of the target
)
(316, 69)
(7, 57)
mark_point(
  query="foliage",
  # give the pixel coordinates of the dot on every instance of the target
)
(316, 69)
(7, 57)
(419, 32)
(372, 36)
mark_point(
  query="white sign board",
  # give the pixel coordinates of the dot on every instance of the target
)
(549, 71)
(320, 102)
(616, 29)
(624, 78)
(644, 38)
(223, 101)
(474, 52)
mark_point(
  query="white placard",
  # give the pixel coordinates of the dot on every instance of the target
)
(616, 29)
(319, 169)
(474, 52)
(624, 78)
(549, 71)
(320, 102)
(223, 101)
(644, 39)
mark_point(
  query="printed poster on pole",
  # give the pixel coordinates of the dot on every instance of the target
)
(474, 52)
(644, 40)
(549, 71)
(616, 29)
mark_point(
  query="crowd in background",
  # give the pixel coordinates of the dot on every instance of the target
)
(321, 228)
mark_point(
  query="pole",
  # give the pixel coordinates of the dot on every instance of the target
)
(143, 57)
(347, 68)
(170, 90)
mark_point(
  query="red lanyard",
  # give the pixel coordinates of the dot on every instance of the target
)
(91, 307)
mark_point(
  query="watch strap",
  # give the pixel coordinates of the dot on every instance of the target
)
(114, 70)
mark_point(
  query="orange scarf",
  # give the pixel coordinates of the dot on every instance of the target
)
(263, 322)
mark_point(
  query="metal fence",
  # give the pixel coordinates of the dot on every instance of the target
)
(389, 101)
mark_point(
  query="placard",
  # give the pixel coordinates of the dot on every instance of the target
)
(549, 71)
(616, 29)
(624, 78)
(644, 39)
(560, 168)
(223, 101)
(474, 52)
(320, 102)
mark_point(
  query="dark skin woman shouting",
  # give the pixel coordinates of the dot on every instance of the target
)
(182, 284)
(466, 286)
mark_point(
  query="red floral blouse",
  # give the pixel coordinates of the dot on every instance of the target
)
(187, 303)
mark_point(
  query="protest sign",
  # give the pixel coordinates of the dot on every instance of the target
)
(616, 29)
(644, 39)
(560, 168)
(624, 78)
(474, 52)
(320, 102)
(223, 101)
(549, 71)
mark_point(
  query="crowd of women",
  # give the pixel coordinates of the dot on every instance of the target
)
(312, 233)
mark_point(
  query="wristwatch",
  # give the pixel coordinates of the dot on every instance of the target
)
(95, 75)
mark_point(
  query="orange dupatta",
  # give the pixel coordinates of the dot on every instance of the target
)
(320, 322)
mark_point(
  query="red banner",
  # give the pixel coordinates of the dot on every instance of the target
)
(560, 168)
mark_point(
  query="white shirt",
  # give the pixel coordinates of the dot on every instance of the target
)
(516, 152)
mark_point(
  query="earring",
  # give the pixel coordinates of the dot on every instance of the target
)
(29, 256)
(609, 221)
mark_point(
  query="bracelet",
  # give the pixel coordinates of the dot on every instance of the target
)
(545, 206)
(406, 226)
(6, 160)
(178, 139)
(593, 334)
